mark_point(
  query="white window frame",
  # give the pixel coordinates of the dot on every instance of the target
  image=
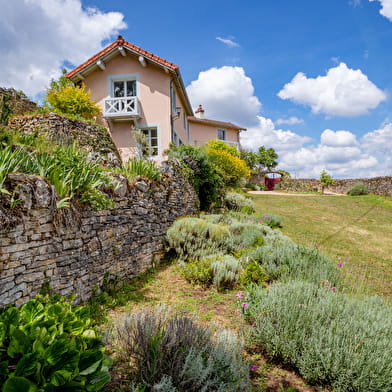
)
(122, 78)
(157, 126)
(224, 134)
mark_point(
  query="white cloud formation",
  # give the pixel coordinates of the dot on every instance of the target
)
(338, 138)
(229, 42)
(38, 36)
(226, 94)
(342, 92)
(379, 141)
(386, 9)
(289, 121)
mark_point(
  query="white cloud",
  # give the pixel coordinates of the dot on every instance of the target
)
(386, 9)
(38, 36)
(289, 121)
(379, 141)
(226, 94)
(342, 92)
(338, 138)
(265, 134)
(229, 42)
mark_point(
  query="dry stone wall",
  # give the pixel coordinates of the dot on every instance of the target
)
(17, 101)
(377, 185)
(74, 258)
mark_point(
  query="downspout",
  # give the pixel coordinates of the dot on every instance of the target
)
(171, 111)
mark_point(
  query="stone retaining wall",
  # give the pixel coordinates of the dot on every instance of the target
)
(377, 185)
(17, 101)
(123, 241)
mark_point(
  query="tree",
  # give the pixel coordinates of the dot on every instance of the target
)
(65, 98)
(262, 159)
(326, 180)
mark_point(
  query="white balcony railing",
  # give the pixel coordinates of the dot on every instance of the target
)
(120, 107)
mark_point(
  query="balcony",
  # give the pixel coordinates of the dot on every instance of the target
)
(121, 107)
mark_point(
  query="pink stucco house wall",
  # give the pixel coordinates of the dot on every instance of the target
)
(137, 89)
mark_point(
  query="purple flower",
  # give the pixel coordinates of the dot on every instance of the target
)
(66, 299)
(333, 289)
(316, 246)
(245, 306)
(253, 368)
(51, 292)
(340, 265)
(239, 295)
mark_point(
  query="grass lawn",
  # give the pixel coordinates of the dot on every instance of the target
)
(358, 230)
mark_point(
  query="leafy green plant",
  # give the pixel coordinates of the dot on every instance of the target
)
(332, 339)
(175, 353)
(253, 273)
(65, 98)
(325, 180)
(49, 345)
(140, 167)
(199, 271)
(202, 174)
(358, 189)
(235, 201)
(272, 220)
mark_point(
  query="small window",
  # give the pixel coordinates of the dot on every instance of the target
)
(152, 137)
(221, 134)
(124, 88)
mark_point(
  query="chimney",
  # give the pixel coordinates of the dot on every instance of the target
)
(199, 113)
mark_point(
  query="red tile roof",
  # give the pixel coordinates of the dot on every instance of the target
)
(217, 123)
(121, 42)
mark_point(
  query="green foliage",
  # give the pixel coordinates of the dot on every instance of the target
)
(140, 167)
(226, 271)
(67, 168)
(199, 271)
(262, 159)
(237, 202)
(195, 237)
(49, 345)
(232, 168)
(202, 174)
(174, 353)
(325, 179)
(271, 220)
(330, 338)
(290, 261)
(65, 98)
(358, 189)
(254, 273)
(5, 109)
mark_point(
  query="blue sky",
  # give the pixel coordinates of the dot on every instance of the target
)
(313, 79)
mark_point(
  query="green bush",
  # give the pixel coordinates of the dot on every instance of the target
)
(271, 220)
(174, 353)
(236, 202)
(199, 271)
(290, 261)
(50, 346)
(202, 174)
(254, 273)
(330, 338)
(65, 98)
(226, 271)
(358, 189)
(195, 237)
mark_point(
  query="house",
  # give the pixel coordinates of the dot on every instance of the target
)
(137, 89)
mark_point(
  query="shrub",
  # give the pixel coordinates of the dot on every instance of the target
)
(199, 271)
(271, 220)
(50, 346)
(231, 168)
(65, 98)
(195, 237)
(235, 201)
(332, 339)
(174, 353)
(358, 189)
(226, 271)
(290, 261)
(254, 273)
(140, 167)
(202, 174)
